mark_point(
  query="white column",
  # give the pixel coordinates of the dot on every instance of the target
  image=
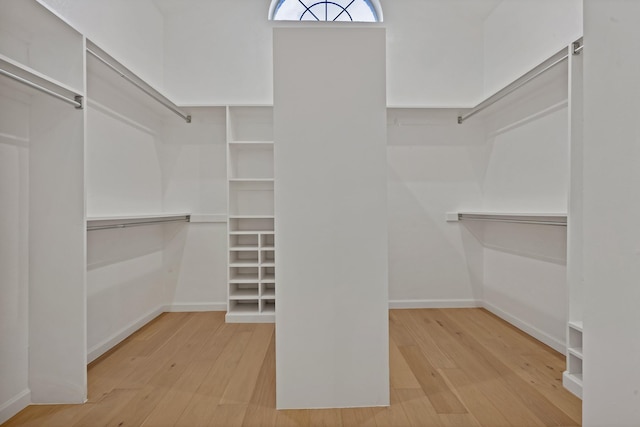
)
(331, 217)
(611, 342)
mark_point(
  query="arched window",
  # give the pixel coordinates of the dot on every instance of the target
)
(332, 10)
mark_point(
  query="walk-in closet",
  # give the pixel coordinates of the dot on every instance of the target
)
(217, 213)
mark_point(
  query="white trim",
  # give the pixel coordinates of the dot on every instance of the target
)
(433, 303)
(14, 405)
(195, 306)
(571, 383)
(214, 218)
(101, 348)
(536, 333)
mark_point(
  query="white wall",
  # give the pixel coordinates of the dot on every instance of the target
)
(141, 159)
(131, 31)
(611, 343)
(520, 34)
(14, 272)
(194, 179)
(434, 166)
(220, 52)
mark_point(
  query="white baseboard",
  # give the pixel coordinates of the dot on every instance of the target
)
(99, 349)
(106, 345)
(437, 303)
(552, 342)
(14, 405)
(195, 306)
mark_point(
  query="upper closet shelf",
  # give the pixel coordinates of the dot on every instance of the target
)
(114, 66)
(558, 219)
(38, 81)
(548, 64)
(124, 221)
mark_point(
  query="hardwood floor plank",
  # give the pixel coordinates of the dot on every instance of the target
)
(434, 387)
(192, 369)
(414, 324)
(240, 387)
(101, 413)
(401, 375)
(227, 415)
(535, 401)
(325, 418)
(358, 417)
(474, 399)
(417, 408)
(293, 418)
(215, 382)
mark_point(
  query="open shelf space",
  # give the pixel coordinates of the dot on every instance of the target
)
(243, 291)
(250, 124)
(251, 161)
(251, 224)
(243, 275)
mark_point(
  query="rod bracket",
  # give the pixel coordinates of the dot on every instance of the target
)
(577, 48)
(80, 100)
(459, 120)
(188, 118)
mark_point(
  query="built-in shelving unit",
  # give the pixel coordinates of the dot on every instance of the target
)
(251, 241)
(572, 377)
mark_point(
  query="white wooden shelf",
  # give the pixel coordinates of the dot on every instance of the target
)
(577, 325)
(268, 294)
(576, 352)
(242, 294)
(35, 76)
(251, 180)
(251, 142)
(243, 278)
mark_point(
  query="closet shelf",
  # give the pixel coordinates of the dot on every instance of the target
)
(124, 221)
(251, 180)
(109, 62)
(250, 142)
(577, 352)
(576, 324)
(559, 57)
(40, 82)
(557, 219)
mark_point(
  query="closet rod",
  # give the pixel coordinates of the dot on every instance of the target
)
(185, 117)
(186, 218)
(76, 101)
(545, 66)
(542, 221)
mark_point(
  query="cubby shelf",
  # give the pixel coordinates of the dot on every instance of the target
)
(251, 220)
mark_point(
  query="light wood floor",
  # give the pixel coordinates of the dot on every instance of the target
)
(454, 367)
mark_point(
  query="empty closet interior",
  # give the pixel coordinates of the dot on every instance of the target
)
(120, 203)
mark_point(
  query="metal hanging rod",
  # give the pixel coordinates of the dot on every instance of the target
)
(127, 224)
(166, 103)
(554, 60)
(75, 101)
(556, 220)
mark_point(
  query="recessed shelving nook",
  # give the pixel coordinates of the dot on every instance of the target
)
(251, 240)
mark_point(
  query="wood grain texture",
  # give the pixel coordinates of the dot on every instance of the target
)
(449, 367)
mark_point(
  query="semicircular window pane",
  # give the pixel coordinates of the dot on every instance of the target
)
(332, 10)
